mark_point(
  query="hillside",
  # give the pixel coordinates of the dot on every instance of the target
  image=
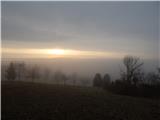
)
(35, 101)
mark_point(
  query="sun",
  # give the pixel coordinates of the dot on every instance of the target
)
(56, 52)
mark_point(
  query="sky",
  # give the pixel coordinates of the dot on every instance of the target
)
(92, 30)
(115, 27)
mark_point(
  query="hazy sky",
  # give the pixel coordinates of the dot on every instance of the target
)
(91, 30)
(114, 27)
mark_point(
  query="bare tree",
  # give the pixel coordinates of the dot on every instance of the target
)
(20, 69)
(106, 80)
(132, 69)
(3, 72)
(151, 78)
(46, 74)
(11, 72)
(97, 81)
(158, 74)
(57, 76)
(60, 77)
(34, 73)
(74, 78)
(64, 78)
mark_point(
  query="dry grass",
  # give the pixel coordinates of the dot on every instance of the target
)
(34, 101)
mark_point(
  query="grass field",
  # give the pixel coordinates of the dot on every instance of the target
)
(35, 101)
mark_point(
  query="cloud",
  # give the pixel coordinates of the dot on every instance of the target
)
(130, 27)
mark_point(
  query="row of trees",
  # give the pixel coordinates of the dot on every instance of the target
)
(132, 80)
(21, 72)
(98, 81)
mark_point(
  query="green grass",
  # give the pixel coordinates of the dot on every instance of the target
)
(35, 101)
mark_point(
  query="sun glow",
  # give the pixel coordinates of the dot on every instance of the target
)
(56, 51)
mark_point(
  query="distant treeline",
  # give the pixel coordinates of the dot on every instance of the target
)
(19, 71)
(133, 81)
